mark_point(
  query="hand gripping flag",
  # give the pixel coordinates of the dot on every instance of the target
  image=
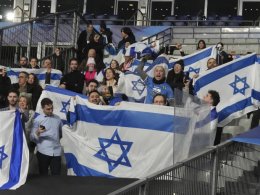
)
(14, 153)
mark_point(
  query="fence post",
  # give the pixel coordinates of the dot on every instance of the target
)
(214, 180)
(143, 189)
(29, 45)
(56, 25)
(75, 29)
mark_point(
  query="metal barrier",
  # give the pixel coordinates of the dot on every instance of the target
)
(65, 53)
(229, 169)
(164, 37)
(27, 38)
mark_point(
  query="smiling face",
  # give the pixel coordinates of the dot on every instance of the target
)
(113, 64)
(73, 65)
(23, 103)
(177, 68)
(109, 74)
(211, 63)
(94, 98)
(159, 73)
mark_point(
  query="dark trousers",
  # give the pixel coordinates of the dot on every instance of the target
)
(255, 119)
(45, 161)
(218, 136)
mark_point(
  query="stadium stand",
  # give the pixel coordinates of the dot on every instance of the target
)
(148, 52)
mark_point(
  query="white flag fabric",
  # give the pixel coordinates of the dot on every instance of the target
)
(238, 85)
(132, 86)
(61, 100)
(196, 63)
(56, 75)
(130, 140)
(14, 153)
(118, 141)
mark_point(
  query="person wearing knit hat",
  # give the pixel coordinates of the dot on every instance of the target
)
(91, 72)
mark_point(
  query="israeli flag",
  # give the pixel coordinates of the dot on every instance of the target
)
(238, 85)
(56, 75)
(132, 86)
(61, 101)
(130, 140)
(161, 60)
(196, 63)
(14, 153)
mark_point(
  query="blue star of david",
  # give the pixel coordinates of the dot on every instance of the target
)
(196, 70)
(122, 159)
(3, 156)
(239, 90)
(64, 107)
(139, 88)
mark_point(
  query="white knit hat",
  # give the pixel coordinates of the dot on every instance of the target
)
(91, 61)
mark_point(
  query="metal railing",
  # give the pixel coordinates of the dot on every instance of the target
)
(30, 37)
(164, 37)
(228, 169)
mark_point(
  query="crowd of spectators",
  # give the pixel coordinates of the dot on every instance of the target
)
(165, 88)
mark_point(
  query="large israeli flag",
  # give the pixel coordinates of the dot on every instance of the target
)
(130, 140)
(56, 75)
(61, 100)
(132, 86)
(14, 153)
(238, 85)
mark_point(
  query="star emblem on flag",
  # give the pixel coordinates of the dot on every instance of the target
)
(237, 85)
(65, 106)
(196, 70)
(138, 86)
(3, 156)
(115, 140)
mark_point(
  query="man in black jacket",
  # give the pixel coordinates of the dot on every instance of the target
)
(5, 85)
(73, 81)
(83, 40)
(28, 90)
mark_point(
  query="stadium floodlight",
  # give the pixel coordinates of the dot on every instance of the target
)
(10, 16)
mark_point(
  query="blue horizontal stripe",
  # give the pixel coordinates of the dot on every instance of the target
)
(62, 91)
(255, 141)
(54, 76)
(226, 70)
(227, 111)
(197, 57)
(81, 170)
(256, 94)
(131, 119)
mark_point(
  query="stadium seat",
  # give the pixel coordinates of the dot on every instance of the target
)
(170, 18)
(166, 23)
